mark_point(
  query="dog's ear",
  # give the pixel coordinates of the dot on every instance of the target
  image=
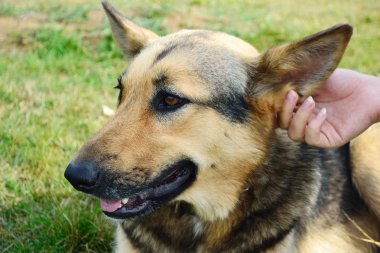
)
(130, 37)
(302, 66)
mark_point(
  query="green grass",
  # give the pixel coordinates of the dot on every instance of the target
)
(58, 64)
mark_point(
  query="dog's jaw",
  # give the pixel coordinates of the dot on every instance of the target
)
(163, 190)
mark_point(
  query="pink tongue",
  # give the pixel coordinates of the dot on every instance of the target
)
(110, 205)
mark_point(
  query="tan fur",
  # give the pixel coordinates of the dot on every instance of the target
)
(122, 243)
(365, 152)
(339, 238)
(332, 240)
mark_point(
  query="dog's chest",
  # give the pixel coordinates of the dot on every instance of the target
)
(158, 242)
(170, 231)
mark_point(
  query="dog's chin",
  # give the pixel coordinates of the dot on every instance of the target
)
(176, 179)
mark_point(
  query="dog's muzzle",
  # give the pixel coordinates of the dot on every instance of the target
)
(121, 200)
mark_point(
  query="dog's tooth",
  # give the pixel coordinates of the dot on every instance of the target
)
(125, 201)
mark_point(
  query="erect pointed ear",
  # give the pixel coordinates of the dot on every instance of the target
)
(130, 37)
(302, 66)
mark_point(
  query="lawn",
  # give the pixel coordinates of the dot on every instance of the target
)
(58, 67)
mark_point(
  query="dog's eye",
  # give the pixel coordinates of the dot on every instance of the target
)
(172, 101)
(168, 102)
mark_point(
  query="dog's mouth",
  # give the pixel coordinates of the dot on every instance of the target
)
(178, 178)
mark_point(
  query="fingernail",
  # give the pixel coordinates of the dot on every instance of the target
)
(291, 95)
(322, 114)
(310, 99)
(308, 102)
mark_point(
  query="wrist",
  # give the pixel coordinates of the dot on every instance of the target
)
(377, 98)
(374, 96)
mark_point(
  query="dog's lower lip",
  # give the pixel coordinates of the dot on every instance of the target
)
(125, 212)
(157, 194)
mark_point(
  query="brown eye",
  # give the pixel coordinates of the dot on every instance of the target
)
(165, 102)
(172, 101)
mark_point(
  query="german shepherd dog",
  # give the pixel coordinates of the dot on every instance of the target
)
(192, 160)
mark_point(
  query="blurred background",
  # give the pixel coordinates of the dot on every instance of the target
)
(58, 67)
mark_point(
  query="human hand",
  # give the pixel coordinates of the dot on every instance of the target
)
(346, 105)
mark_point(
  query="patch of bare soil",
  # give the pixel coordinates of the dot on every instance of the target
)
(95, 19)
(180, 20)
(90, 29)
(13, 30)
(16, 32)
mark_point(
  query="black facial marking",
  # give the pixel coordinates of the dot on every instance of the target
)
(160, 80)
(232, 106)
(186, 42)
(119, 86)
(164, 53)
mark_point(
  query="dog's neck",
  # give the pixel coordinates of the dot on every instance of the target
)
(277, 195)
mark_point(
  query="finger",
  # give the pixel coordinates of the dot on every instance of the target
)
(313, 129)
(299, 121)
(286, 113)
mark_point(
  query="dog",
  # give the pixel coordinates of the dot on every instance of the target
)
(193, 161)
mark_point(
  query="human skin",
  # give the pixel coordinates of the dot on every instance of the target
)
(345, 106)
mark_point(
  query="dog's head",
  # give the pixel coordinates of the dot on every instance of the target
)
(196, 112)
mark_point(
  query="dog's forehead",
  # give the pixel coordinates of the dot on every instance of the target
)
(214, 57)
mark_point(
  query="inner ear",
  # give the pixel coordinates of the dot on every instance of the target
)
(303, 65)
(130, 37)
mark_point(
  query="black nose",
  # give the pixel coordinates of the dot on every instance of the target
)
(82, 176)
